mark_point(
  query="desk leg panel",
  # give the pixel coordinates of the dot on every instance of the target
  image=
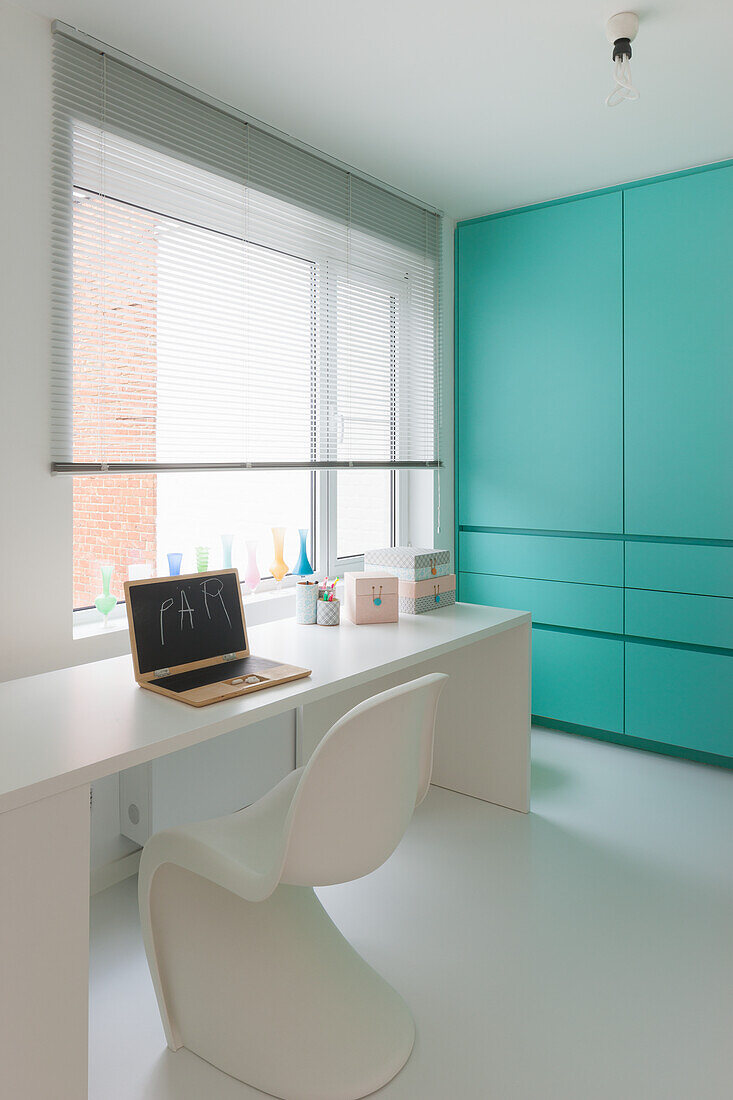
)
(483, 724)
(44, 948)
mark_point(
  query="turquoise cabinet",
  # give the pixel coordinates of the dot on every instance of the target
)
(678, 356)
(539, 331)
(594, 447)
(578, 679)
(680, 697)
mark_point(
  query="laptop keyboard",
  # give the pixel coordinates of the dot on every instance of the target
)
(213, 674)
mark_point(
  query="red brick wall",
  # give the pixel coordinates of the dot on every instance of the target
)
(114, 323)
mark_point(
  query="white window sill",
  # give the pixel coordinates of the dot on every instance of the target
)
(259, 607)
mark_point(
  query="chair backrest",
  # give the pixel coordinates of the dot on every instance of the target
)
(358, 791)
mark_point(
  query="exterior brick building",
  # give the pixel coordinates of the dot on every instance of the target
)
(115, 323)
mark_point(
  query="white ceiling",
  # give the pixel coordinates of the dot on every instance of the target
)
(471, 106)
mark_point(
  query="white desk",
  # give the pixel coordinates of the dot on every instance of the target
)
(62, 730)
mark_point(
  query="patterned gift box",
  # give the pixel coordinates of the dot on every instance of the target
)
(371, 597)
(417, 597)
(409, 563)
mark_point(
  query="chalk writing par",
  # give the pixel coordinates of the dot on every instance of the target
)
(213, 604)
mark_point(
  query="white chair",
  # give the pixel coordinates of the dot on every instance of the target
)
(249, 970)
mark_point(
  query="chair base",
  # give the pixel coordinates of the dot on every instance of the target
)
(271, 993)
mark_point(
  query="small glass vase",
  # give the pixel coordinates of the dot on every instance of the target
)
(174, 564)
(252, 572)
(106, 601)
(303, 567)
(279, 567)
(202, 559)
(226, 551)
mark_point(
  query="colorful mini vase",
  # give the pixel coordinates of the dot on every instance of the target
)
(174, 564)
(202, 559)
(278, 568)
(106, 601)
(226, 550)
(303, 567)
(252, 572)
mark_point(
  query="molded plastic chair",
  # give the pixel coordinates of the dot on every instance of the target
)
(249, 970)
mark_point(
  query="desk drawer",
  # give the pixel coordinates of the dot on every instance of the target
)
(680, 697)
(696, 620)
(543, 557)
(556, 603)
(577, 679)
(679, 567)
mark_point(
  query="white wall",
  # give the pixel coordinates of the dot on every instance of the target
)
(35, 508)
(35, 547)
(36, 527)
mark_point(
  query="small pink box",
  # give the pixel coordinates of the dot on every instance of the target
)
(371, 597)
(416, 597)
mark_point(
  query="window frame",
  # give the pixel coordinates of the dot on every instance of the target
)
(398, 513)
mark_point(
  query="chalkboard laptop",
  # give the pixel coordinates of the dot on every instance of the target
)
(189, 639)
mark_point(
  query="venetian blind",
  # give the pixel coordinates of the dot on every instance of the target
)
(223, 297)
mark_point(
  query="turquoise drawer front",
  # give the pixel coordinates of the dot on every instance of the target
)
(582, 606)
(541, 557)
(680, 697)
(680, 567)
(696, 620)
(578, 679)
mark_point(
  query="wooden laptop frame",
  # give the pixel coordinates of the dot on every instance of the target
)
(280, 674)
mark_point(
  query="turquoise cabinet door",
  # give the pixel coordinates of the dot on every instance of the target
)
(678, 369)
(557, 603)
(701, 570)
(578, 679)
(543, 557)
(673, 617)
(539, 302)
(680, 697)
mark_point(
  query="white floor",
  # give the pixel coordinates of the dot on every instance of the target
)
(583, 952)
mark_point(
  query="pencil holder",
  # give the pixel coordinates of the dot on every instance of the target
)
(329, 612)
(306, 600)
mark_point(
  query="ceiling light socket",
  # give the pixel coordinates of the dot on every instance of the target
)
(624, 24)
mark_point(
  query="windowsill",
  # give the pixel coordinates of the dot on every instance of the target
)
(259, 607)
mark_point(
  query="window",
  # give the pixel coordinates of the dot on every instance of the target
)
(252, 337)
(127, 521)
(159, 321)
(365, 511)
